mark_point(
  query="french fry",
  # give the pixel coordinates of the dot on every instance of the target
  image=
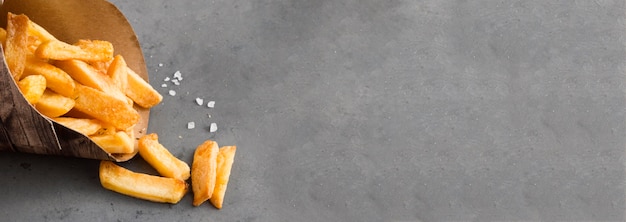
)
(85, 126)
(57, 79)
(105, 108)
(142, 186)
(225, 159)
(161, 159)
(203, 171)
(141, 91)
(32, 87)
(3, 37)
(52, 104)
(42, 34)
(85, 74)
(83, 50)
(118, 72)
(16, 44)
(119, 142)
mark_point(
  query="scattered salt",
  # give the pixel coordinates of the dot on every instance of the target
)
(191, 125)
(164, 85)
(166, 79)
(172, 93)
(210, 104)
(199, 101)
(178, 75)
(213, 127)
(160, 64)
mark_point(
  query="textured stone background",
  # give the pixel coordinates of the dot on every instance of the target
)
(392, 110)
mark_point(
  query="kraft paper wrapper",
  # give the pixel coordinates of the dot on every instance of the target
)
(22, 128)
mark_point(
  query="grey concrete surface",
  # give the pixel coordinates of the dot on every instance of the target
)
(372, 110)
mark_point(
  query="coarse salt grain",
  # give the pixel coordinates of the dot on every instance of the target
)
(160, 64)
(166, 79)
(191, 125)
(210, 104)
(164, 85)
(172, 93)
(175, 81)
(213, 127)
(199, 101)
(178, 75)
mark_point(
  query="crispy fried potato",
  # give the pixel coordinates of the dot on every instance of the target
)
(57, 79)
(85, 74)
(118, 72)
(83, 50)
(225, 159)
(142, 186)
(16, 44)
(161, 159)
(42, 34)
(32, 87)
(52, 104)
(203, 171)
(85, 126)
(105, 108)
(119, 142)
(3, 37)
(141, 91)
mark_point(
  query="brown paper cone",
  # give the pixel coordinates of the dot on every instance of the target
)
(22, 128)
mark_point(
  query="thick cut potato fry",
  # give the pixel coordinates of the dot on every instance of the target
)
(141, 91)
(161, 159)
(225, 159)
(85, 74)
(52, 104)
(32, 88)
(142, 186)
(16, 44)
(42, 34)
(203, 171)
(105, 108)
(83, 50)
(118, 72)
(57, 79)
(3, 37)
(85, 126)
(119, 142)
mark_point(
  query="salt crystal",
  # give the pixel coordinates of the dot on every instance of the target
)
(191, 125)
(178, 75)
(163, 85)
(213, 127)
(199, 101)
(175, 81)
(166, 79)
(160, 64)
(172, 93)
(210, 104)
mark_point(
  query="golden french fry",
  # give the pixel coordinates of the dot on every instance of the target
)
(106, 130)
(105, 108)
(203, 171)
(142, 186)
(161, 159)
(42, 34)
(32, 87)
(16, 44)
(3, 37)
(141, 91)
(118, 72)
(225, 159)
(57, 79)
(120, 142)
(84, 50)
(87, 75)
(85, 126)
(52, 104)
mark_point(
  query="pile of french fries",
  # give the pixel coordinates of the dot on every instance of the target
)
(86, 87)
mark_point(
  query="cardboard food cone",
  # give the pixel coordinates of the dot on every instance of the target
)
(22, 127)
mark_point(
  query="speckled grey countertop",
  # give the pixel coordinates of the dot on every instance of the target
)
(371, 111)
